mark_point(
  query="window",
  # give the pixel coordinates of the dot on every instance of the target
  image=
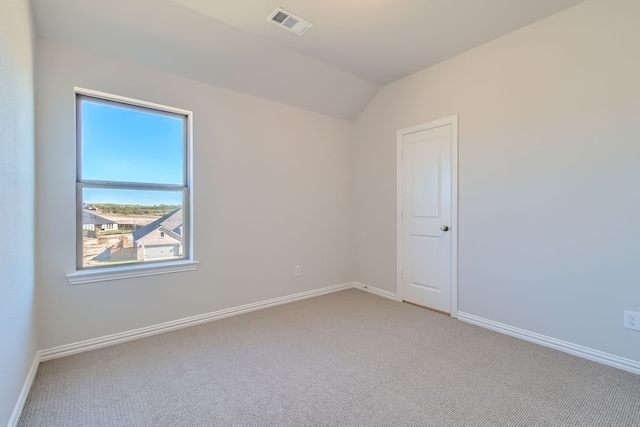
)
(133, 184)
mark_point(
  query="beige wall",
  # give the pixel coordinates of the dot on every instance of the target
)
(17, 311)
(549, 166)
(272, 189)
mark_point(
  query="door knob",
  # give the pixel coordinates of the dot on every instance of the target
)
(444, 228)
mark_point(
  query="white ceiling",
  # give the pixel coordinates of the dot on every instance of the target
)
(354, 47)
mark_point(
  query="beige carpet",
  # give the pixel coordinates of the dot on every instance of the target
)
(345, 359)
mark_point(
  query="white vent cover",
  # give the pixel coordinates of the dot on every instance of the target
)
(289, 21)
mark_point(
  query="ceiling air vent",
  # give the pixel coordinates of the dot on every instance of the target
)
(289, 21)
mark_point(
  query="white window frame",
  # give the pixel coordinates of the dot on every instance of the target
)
(144, 268)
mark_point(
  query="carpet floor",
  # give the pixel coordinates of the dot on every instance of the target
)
(344, 359)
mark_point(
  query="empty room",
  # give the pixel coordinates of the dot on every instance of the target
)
(357, 213)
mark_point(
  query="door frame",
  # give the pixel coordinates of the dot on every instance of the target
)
(453, 121)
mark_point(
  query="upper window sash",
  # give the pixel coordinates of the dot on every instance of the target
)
(117, 130)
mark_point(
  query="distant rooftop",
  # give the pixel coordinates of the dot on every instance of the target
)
(171, 222)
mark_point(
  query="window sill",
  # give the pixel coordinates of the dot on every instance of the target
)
(129, 271)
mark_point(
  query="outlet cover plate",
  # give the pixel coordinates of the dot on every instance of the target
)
(632, 320)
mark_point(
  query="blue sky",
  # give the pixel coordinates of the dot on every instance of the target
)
(121, 144)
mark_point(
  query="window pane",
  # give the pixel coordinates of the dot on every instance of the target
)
(131, 145)
(126, 226)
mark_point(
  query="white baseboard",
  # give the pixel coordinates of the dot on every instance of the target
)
(564, 346)
(376, 291)
(91, 344)
(22, 399)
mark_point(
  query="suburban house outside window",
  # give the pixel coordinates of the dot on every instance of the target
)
(133, 185)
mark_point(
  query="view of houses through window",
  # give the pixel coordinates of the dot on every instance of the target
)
(112, 233)
(132, 183)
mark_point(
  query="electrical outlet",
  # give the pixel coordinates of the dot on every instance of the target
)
(298, 270)
(632, 320)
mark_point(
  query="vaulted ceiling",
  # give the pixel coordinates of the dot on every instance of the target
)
(354, 47)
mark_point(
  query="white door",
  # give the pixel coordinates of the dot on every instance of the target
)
(427, 217)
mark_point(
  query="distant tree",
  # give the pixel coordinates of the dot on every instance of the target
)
(113, 208)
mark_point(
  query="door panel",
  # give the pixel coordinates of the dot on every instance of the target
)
(426, 180)
(426, 249)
